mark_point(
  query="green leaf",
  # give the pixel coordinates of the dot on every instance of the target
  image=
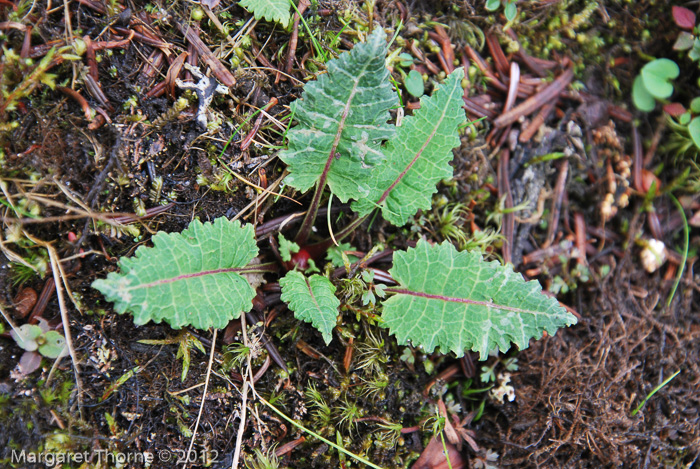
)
(186, 279)
(694, 129)
(287, 248)
(492, 5)
(641, 97)
(694, 53)
(342, 120)
(405, 60)
(313, 300)
(510, 10)
(414, 83)
(684, 41)
(54, 345)
(25, 336)
(695, 105)
(656, 76)
(418, 157)
(456, 301)
(334, 254)
(271, 10)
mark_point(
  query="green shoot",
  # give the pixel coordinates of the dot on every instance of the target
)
(654, 391)
(686, 243)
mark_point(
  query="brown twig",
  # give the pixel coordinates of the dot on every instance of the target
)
(478, 110)
(27, 43)
(153, 64)
(288, 447)
(447, 57)
(536, 101)
(101, 45)
(143, 35)
(580, 230)
(444, 375)
(509, 216)
(156, 91)
(245, 143)
(637, 161)
(174, 73)
(416, 51)
(556, 202)
(191, 33)
(294, 38)
(77, 97)
(531, 128)
(484, 68)
(499, 58)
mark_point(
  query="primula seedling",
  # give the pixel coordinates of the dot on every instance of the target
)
(510, 10)
(30, 337)
(414, 83)
(654, 82)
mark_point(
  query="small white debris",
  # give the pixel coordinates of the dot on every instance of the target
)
(653, 255)
(503, 389)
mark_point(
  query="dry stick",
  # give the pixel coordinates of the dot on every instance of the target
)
(536, 101)
(637, 161)
(222, 73)
(509, 216)
(244, 403)
(288, 447)
(580, 230)
(478, 110)
(266, 193)
(145, 37)
(484, 68)
(534, 125)
(248, 139)
(513, 87)
(77, 97)
(204, 396)
(556, 203)
(447, 56)
(499, 58)
(57, 271)
(294, 39)
(27, 43)
(656, 139)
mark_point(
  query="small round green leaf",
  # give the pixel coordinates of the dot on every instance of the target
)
(656, 76)
(684, 41)
(54, 345)
(684, 118)
(694, 129)
(510, 11)
(641, 97)
(695, 105)
(405, 60)
(694, 53)
(414, 83)
(492, 5)
(26, 336)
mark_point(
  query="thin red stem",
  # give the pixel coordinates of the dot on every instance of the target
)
(452, 299)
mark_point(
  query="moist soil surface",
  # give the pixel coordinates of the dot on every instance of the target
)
(102, 146)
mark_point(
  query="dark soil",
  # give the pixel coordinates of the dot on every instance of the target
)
(575, 392)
